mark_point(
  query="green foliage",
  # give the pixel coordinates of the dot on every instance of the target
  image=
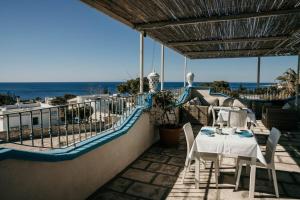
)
(62, 100)
(7, 99)
(288, 82)
(166, 102)
(132, 86)
(218, 86)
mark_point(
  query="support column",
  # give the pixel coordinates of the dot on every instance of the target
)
(297, 86)
(184, 71)
(162, 67)
(258, 72)
(141, 62)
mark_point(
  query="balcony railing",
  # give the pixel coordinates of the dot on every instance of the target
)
(66, 125)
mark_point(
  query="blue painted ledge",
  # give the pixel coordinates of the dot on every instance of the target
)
(90, 144)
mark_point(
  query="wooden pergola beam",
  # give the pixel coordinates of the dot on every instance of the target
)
(236, 51)
(213, 19)
(230, 40)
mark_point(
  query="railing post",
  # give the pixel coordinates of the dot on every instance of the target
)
(66, 125)
(79, 125)
(42, 127)
(95, 117)
(7, 130)
(50, 128)
(90, 118)
(58, 125)
(85, 119)
(73, 128)
(20, 128)
(31, 129)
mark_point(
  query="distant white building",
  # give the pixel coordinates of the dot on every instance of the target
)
(39, 110)
(86, 98)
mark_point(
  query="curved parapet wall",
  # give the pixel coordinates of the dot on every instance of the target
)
(78, 173)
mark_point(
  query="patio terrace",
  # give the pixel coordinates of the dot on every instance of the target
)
(157, 175)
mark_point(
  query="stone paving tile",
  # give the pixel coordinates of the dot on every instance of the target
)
(296, 176)
(292, 190)
(165, 180)
(283, 176)
(140, 164)
(110, 195)
(138, 175)
(163, 168)
(155, 157)
(177, 161)
(119, 184)
(146, 191)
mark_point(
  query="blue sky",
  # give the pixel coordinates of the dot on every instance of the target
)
(66, 40)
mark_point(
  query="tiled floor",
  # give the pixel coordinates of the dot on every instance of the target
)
(157, 175)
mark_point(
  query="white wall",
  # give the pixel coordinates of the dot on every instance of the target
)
(78, 178)
(14, 119)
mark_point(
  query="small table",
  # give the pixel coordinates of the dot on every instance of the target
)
(228, 145)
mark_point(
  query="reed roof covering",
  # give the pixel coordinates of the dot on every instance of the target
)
(213, 28)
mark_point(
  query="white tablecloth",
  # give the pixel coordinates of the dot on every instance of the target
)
(224, 114)
(230, 145)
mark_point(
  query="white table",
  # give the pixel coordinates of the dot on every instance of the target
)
(227, 145)
(223, 115)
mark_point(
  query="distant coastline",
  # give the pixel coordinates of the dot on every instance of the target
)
(31, 90)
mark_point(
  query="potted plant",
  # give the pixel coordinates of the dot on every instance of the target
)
(164, 103)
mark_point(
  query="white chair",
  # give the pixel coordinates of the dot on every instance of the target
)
(237, 119)
(215, 122)
(267, 161)
(189, 136)
(212, 110)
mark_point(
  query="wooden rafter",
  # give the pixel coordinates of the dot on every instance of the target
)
(230, 40)
(213, 19)
(235, 51)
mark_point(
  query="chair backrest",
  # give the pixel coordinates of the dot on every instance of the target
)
(237, 118)
(212, 110)
(189, 136)
(271, 145)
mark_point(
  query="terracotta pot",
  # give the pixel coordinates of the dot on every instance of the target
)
(170, 136)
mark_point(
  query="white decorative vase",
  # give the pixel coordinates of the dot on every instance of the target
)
(153, 78)
(190, 79)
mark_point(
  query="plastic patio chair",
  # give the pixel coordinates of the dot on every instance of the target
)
(237, 119)
(268, 160)
(189, 136)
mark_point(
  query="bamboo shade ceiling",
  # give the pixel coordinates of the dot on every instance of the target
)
(213, 28)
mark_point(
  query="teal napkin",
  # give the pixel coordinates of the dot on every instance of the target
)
(245, 134)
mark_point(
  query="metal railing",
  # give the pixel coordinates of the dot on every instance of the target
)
(258, 95)
(66, 125)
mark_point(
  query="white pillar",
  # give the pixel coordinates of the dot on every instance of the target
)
(297, 86)
(162, 67)
(258, 72)
(141, 62)
(184, 72)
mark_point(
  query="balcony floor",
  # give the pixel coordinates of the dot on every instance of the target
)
(157, 175)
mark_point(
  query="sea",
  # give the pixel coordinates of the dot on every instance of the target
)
(53, 89)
